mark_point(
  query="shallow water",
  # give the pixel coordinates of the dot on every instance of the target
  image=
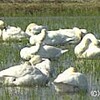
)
(9, 56)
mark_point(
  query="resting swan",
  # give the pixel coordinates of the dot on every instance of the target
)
(26, 74)
(88, 47)
(45, 51)
(13, 33)
(60, 36)
(33, 28)
(70, 81)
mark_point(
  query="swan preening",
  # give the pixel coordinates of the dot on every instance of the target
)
(28, 52)
(70, 81)
(60, 36)
(34, 39)
(88, 47)
(27, 74)
(45, 51)
(33, 28)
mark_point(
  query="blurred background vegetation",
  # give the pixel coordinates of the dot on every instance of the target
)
(49, 0)
(49, 8)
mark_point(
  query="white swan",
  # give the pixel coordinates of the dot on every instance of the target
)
(12, 32)
(88, 47)
(38, 38)
(60, 36)
(33, 28)
(26, 74)
(70, 81)
(42, 64)
(28, 52)
(45, 51)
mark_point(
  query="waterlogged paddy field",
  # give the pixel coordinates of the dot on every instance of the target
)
(9, 55)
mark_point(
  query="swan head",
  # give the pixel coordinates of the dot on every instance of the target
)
(84, 31)
(34, 29)
(35, 59)
(71, 70)
(29, 29)
(77, 30)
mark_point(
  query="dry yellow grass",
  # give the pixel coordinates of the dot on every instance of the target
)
(47, 9)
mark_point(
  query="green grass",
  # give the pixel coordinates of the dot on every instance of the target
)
(91, 23)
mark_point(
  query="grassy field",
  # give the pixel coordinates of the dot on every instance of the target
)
(50, 9)
(54, 16)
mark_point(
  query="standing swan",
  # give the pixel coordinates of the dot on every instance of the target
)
(70, 81)
(88, 47)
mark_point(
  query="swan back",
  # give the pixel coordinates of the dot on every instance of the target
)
(12, 32)
(45, 67)
(47, 51)
(67, 72)
(16, 71)
(43, 64)
(35, 59)
(70, 80)
(35, 78)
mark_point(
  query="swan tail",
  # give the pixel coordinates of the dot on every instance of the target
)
(64, 51)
